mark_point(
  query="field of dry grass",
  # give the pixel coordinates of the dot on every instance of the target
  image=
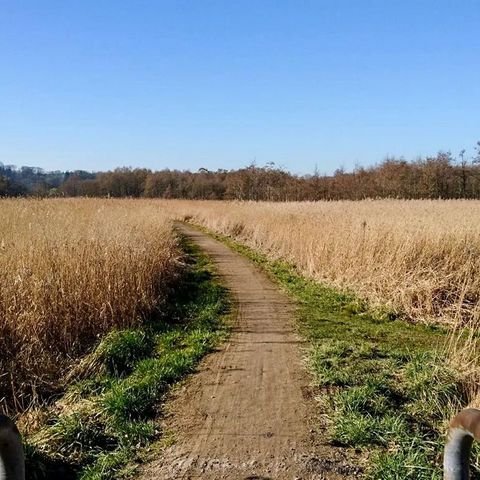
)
(421, 258)
(73, 269)
(70, 271)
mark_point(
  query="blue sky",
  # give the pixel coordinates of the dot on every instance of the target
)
(217, 84)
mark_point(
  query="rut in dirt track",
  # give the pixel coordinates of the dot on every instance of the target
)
(246, 414)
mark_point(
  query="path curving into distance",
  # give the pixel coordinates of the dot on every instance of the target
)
(246, 413)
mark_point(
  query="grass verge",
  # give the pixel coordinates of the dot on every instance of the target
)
(383, 382)
(100, 428)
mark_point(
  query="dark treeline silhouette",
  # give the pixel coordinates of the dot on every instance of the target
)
(28, 181)
(442, 176)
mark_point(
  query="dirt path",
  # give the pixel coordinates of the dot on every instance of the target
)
(246, 414)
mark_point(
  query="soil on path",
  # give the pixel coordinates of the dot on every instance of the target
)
(247, 412)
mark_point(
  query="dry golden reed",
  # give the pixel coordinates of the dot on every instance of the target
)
(73, 269)
(420, 257)
(70, 271)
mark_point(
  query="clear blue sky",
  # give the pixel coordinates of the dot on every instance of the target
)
(216, 84)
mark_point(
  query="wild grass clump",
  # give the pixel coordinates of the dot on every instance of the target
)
(403, 406)
(118, 352)
(70, 272)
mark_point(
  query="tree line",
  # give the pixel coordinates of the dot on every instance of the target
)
(441, 176)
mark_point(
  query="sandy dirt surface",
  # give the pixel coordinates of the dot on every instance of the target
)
(248, 412)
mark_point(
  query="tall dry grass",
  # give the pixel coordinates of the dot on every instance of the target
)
(70, 271)
(421, 258)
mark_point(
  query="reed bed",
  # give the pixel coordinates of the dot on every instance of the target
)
(70, 271)
(420, 258)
